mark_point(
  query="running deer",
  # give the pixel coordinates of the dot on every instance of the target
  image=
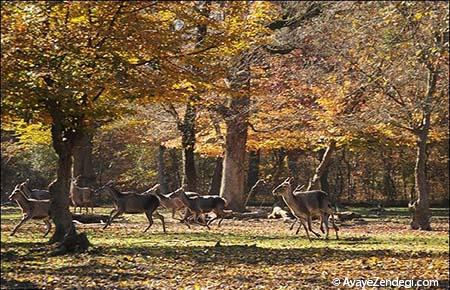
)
(172, 202)
(305, 205)
(81, 196)
(133, 203)
(33, 193)
(31, 209)
(203, 204)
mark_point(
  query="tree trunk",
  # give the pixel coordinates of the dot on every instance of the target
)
(162, 176)
(280, 155)
(292, 162)
(65, 232)
(233, 175)
(254, 158)
(388, 182)
(189, 175)
(82, 159)
(174, 170)
(324, 184)
(322, 169)
(421, 207)
(214, 188)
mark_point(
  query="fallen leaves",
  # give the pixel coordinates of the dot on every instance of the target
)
(239, 255)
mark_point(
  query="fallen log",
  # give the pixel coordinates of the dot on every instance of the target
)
(90, 218)
(249, 215)
(278, 212)
(347, 215)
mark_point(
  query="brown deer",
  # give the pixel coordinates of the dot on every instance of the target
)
(203, 204)
(81, 196)
(133, 203)
(305, 205)
(31, 209)
(38, 194)
(172, 202)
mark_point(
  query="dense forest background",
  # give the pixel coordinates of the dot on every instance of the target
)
(380, 174)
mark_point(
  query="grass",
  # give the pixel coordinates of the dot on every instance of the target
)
(240, 254)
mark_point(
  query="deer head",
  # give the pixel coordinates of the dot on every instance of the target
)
(283, 187)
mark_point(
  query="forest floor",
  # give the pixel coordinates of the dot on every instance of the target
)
(241, 254)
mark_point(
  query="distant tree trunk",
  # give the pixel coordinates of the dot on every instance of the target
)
(174, 170)
(233, 175)
(388, 182)
(82, 159)
(65, 232)
(254, 158)
(189, 175)
(322, 169)
(280, 155)
(292, 162)
(162, 176)
(324, 184)
(214, 188)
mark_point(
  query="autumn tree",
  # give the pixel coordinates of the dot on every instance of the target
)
(69, 65)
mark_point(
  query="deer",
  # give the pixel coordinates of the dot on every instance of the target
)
(203, 204)
(31, 209)
(172, 202)
(305, 205)
(33, 193)
(133, 203)
(81, 196)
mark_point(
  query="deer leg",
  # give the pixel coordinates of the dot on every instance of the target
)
(48, 226)
(24, 219)
(310, 227)
(302, 223)
(293, 224)
(322, 217)
(218, 214)
(327, 228)
(111, 217)
(204, 221)
(173, 213)
(185, 218)
(336, 229)
(150, 220)
(161, 217)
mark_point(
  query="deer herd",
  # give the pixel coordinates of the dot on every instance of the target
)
(304, 205)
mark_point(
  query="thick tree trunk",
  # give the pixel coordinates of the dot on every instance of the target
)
(189, 175)
(174, 170)
(254, 158)
(322, 169)
(162, 176)
(82, 159)
(65, 232)
(214, 188)
(421, 207)
(233, 174)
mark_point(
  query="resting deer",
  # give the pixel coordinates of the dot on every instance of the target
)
(133, 203)
(81, 196)
(172, 202)
(203, 204)
(33, 193)
(31, 209)
(305, 205)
